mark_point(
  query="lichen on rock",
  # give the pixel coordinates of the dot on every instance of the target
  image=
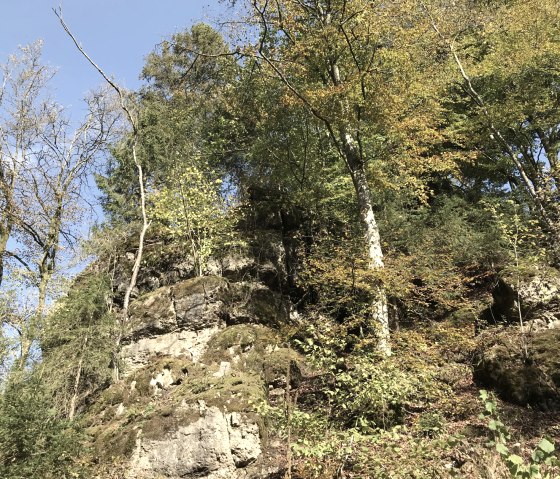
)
(198, 356)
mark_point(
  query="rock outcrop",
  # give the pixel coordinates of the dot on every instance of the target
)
(519, 356)
(179, 320)
(199, 355)
(524, 369)
(535, 298)
(263, 260)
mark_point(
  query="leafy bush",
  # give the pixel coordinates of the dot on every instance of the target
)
(365, 390)
(543, 463)
(193, 211)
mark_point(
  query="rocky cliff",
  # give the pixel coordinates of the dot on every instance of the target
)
(203, 357)
(199, 356)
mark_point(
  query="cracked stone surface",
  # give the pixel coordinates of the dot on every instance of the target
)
(174, 320)
(179, 321)
(215, 446)
(191, 344)
(190, 305)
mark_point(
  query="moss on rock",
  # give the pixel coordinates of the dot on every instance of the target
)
(528, 379)
(241, 337)
(255, 303)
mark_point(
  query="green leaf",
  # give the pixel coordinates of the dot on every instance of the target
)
(537, 455)
(534, 471)
(546, 446)
(502, 449)
(515, 459)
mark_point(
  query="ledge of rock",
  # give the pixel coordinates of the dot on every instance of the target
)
(188, 344)
(184, 417)
(255, 303)
(192, 304)
(179, 320)
(262, 260)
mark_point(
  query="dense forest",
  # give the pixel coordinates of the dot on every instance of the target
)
(329, 247)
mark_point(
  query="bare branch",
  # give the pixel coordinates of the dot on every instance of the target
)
(115, 86)
(19, 259)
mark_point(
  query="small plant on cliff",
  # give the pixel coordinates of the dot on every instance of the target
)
(543, 463)
(191, 209)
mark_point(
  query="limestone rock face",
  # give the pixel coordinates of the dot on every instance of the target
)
(191, 305)
(536, 298)
(263, 260)
(216, 445)
(179, 320)
(153, 315)
(190, 344)
(176, 320)
(199, 353)
(520, 359)
(197, 302)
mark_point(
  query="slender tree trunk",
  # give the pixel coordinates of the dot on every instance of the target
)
(379, 310)
(349, 149)
(133, 121)
(190, 233)
(7, 220)
(46, 269)
(289, 411)
(43, 285)
(145, 225)
(139, 253)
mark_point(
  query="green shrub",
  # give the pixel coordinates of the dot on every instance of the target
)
(364, 390)
(34, 443)
(543, 463)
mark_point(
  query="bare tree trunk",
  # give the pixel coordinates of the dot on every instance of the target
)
(379, 310)
(289, 411)
(132, 120)
(41, 303)
(145, 225)
(43, 285)
(29, 332)
(194, 248)
(4, 236)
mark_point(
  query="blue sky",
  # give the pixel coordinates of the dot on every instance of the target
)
(118, 34)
